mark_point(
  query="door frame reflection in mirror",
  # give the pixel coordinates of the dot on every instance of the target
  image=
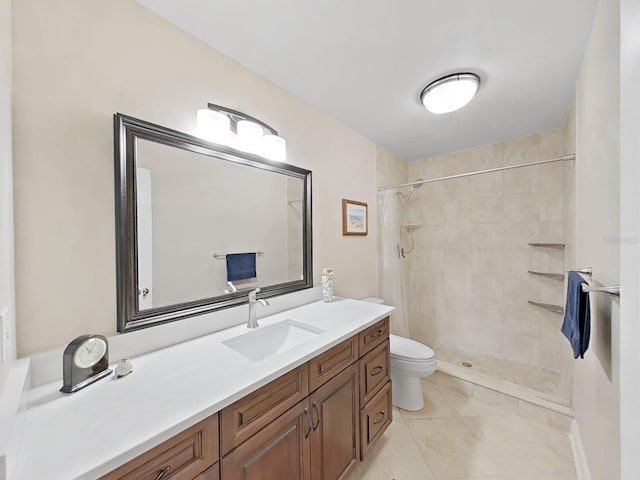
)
(127, 130)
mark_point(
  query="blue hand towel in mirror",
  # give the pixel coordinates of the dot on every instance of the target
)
(241, 266)
(576, 325)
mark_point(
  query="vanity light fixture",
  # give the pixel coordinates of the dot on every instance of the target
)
(450, 93)
(241, 131)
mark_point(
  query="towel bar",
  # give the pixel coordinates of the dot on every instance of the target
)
(222, 256)
(555, 276)
(547, 306)
(585, 271)
(611, 290)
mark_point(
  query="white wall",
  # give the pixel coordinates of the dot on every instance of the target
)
(6, 189)
(597, 239)
(75, 64)
(630, 235)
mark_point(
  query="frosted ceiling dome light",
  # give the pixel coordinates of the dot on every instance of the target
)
(450, 93)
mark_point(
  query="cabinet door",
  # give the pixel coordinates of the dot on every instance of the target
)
(280, 451)
(335, 437)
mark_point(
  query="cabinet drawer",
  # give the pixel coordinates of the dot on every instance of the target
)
(212, 473)
(242, 419)
(374, 371)
(373, 336)
(328, 364)
(280, 451)
(375, 417)
(182, 457)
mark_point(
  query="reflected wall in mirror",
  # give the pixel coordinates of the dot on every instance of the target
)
(183, 204)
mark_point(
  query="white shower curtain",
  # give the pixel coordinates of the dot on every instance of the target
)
(393, 291)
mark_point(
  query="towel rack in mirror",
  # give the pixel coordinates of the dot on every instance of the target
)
(222, 256)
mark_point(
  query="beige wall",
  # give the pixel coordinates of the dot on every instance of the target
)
(78, 62)
(6, 200)
(597, 236)
(469, 281)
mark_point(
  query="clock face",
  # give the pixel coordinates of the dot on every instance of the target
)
(90, 352)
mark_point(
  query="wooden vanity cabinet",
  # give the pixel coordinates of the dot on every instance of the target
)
(312, 423)
(376, 411)
(278, 451)
(183, 457)
(335, 436)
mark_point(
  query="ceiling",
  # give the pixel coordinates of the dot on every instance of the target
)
(365, 62)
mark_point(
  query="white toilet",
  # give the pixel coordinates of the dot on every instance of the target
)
(410, 361)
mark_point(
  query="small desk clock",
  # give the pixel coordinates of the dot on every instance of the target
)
(85, 361)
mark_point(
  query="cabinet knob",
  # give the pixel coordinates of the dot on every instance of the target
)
(380, 418)
(164, 471)
(317, 411)
(306, 416)
(377, 334)
(376, 371)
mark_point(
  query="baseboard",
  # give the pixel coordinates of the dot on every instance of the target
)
(579, 457)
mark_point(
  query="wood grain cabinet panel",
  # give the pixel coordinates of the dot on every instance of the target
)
(212, 473)
(335, 436)
(279, 451)
(373, 336)
(328, 364)
(374, 371)
(247, 416)
(375, 418)
(182, 457)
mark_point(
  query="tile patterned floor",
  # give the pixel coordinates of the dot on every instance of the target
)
(456, 437)
(529, 376)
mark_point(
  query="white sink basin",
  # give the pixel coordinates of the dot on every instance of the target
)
(264, 342)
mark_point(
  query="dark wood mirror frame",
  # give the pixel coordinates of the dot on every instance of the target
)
(130, 317)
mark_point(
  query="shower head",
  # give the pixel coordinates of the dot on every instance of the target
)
(413, 187)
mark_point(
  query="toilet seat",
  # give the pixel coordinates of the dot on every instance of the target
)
(409, 350)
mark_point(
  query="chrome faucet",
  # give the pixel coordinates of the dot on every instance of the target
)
(253, 303)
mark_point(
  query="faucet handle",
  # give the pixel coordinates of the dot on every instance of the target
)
(253, 293)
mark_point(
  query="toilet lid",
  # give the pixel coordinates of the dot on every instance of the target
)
(407, 349)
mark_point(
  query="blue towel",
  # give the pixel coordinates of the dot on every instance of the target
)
(241, 266)
(577, 317)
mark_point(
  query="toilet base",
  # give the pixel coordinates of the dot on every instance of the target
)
(406, 393)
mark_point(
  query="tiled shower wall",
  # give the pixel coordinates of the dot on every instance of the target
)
(469, 281)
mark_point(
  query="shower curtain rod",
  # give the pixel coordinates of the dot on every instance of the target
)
(564, 158)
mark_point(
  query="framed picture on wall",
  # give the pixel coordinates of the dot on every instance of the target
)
(355, 218)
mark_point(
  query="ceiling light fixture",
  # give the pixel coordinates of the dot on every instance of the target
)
(240, 131)
(450, 93)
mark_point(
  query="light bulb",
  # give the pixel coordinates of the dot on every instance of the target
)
(249, 136)
(274, 148)
(213, 126)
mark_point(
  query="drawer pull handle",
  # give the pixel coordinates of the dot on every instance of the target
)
(377, 334)
(380, 419)
(317, 410)
(306, 415)
(164, 471)
(376, 371)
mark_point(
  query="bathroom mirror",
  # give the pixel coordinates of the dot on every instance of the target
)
(190, 214)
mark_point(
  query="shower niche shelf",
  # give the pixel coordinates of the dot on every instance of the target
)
(547, 245)
(547, 306)
(555, 276)
(410, 227)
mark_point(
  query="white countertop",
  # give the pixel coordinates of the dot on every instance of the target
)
(89, 433)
